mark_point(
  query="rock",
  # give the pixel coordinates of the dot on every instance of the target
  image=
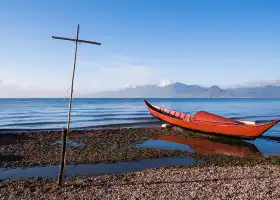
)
(166, 125)
(177, 128)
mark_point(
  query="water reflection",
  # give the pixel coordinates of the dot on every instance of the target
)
(49, 172)
(202, 145)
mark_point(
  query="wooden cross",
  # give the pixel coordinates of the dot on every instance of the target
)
(65, 132)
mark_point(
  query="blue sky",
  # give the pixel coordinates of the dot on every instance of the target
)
(143, 42)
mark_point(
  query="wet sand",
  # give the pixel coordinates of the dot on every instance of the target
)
(116, 145)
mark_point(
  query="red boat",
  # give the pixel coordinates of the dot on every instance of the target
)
(210, 123)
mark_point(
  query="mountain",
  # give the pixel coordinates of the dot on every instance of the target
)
(175, 90)
(181, 90)
(269, 91)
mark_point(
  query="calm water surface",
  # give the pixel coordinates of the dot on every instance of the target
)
(52, 113)
(51, 171)
(39, 114)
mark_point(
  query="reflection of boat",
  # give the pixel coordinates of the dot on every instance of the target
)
(211, 123)
(211, 146)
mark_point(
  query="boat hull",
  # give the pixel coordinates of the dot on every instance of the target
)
(214, 127)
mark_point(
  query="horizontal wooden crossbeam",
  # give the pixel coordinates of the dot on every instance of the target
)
(75, 40)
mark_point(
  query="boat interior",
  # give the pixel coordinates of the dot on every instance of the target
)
(202, 116)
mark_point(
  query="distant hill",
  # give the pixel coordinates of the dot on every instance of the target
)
(268, 91)
(181, 90)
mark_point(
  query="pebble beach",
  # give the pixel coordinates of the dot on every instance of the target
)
(212, 182)
(217, 176)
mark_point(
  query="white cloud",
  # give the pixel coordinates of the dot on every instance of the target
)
(124, 72)
(126, 58)
(130, 70)
(90, 77)
(266, 82)
(260, 83)
(12, 88)
(164, 83)
(129, 74)
(127, 86)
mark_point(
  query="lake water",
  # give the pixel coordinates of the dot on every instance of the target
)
(28, 114)
(51, 114)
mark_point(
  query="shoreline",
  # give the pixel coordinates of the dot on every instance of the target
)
(144, 124)
(113, 146)
(108, 146)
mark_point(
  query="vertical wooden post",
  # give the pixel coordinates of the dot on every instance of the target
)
(62, 157)
(66, 132)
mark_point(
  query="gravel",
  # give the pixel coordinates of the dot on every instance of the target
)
(212, 182)
(220, 177)
(104, 146)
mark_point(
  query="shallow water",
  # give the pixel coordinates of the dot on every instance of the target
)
(69, 143)
(165, 145)
(199, 145)
(48, 172)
